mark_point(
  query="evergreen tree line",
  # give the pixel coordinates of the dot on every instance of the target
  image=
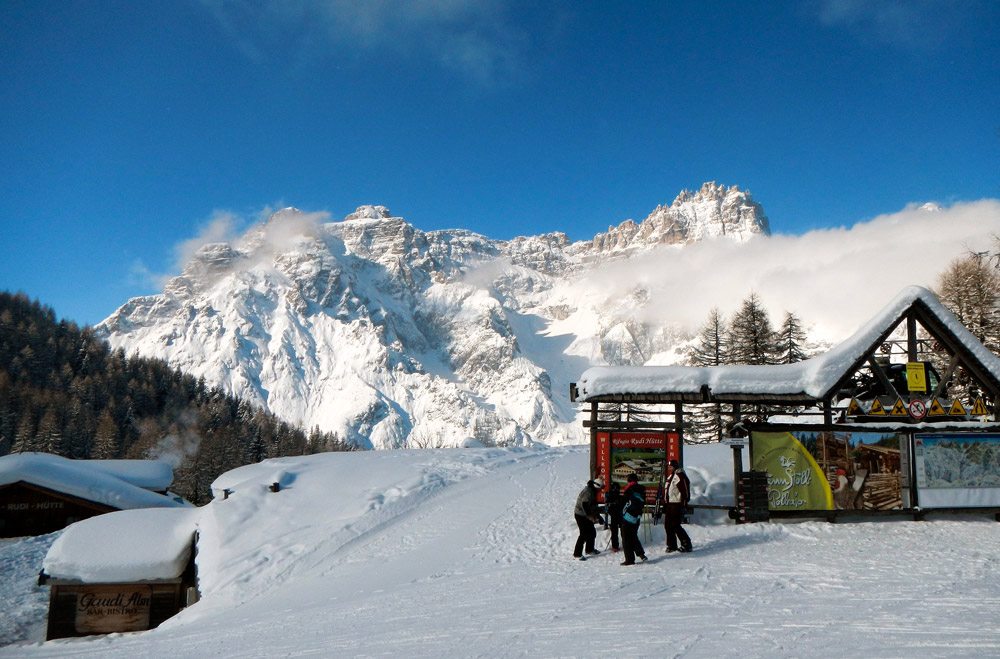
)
(747, 338)
(63, 391)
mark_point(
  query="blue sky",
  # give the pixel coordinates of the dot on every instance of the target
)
(128, 126)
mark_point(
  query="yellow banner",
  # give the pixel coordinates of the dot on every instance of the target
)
(794, 480)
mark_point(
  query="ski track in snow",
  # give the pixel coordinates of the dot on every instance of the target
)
(473, 559)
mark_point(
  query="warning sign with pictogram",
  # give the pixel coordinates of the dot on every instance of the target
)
(936, 408)
(979, 408)
(899, 409)
(877, 409)
(956, 409)
(854, 408)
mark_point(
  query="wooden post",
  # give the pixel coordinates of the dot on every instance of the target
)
(593, 439)
(911, 338)
(679, 418)
(737, 474)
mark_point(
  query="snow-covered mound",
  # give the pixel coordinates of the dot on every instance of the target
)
(148, 544)
(468, 553)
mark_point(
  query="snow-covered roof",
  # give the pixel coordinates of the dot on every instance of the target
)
(813, 377)
(155, 475)
(115, 484)
(124, 546)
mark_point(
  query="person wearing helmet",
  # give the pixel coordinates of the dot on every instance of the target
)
(586, 514)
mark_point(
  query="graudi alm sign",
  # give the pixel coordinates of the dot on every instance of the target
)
(113, 608)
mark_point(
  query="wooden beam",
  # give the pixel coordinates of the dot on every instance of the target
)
(635, 425)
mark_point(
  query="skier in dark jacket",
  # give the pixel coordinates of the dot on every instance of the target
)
(586, 515)
(676, 494)
(613, 505)
(630, 522)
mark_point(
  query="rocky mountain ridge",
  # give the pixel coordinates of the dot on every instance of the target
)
(396, 337)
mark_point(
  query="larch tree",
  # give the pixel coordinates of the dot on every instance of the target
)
(791, 340)
(710, 349)
(751, 339)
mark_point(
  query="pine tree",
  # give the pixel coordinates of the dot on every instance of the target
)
(791, 339)
(751, 339)
(712, 345)
(711, 349)
(106, 440)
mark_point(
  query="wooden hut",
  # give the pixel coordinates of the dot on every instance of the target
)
(122, 572)
(41, 493)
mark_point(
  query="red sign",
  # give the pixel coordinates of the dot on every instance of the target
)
(641, 453)
(918, 409)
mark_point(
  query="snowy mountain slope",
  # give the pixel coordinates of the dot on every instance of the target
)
(467, 553)
(392, 336)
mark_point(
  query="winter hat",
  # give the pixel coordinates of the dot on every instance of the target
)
(598, 483)
(675, 464)
(632, 478)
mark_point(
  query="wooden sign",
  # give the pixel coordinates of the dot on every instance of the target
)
(113, 608)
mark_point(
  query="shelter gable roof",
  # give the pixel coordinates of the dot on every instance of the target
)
(812, 379)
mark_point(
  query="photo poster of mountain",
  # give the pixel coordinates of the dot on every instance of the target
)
(644, 454)
(957, 469)
(818, 469)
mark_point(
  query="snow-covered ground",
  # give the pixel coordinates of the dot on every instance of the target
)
(467, 553)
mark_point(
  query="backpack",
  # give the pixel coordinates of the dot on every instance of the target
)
(635, 501)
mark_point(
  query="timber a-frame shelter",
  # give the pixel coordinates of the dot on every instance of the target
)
(913, 328)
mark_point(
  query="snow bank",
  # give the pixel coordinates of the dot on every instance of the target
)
(465, 552)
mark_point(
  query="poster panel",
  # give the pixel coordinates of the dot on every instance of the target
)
(957, 469)
(641, 453)
(815, 469)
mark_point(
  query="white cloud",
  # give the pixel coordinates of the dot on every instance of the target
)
(907, 23)
(833, 279)
(476, 38)
(222, 227)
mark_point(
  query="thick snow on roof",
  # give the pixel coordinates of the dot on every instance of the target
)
(154, 475)
(814, 377)
(112, 485)
(124, 546)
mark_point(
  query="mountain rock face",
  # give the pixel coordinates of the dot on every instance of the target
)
(395, 337)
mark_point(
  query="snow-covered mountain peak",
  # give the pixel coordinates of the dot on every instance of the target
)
(393, 336)
(711, 212)
(368, 212)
